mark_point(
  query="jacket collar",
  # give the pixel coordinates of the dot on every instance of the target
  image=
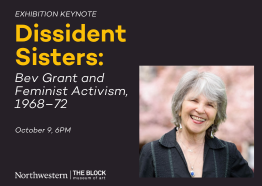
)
(169, 140)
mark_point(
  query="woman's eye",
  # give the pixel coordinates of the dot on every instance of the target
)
(194, 100)
(210, 105)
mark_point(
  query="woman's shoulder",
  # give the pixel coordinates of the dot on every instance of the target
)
(238, 166)
(166, 140)
(226, 144)
(153, 147)
(216, 143)
(229, 148)
(148, 146)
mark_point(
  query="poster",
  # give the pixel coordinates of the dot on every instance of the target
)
(70, 81)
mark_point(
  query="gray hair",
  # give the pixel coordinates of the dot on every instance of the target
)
(210, 86)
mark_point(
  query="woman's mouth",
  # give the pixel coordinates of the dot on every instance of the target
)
(197, 120)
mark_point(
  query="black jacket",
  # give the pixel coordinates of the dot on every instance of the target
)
(164, 158)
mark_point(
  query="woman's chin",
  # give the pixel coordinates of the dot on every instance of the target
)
(196, 130)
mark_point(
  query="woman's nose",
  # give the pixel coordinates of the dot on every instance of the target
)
(200, 109)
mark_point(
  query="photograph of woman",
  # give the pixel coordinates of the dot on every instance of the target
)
(191, 149)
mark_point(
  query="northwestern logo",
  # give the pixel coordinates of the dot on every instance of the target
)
(33, 175)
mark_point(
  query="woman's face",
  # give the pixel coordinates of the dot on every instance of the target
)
(197, 114)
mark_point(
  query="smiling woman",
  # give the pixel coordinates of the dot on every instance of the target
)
(212, 92)
(191, 150)
(197, 113)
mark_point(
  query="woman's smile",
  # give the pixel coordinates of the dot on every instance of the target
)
(197, 120)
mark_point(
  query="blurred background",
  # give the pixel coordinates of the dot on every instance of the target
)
(158, 83)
